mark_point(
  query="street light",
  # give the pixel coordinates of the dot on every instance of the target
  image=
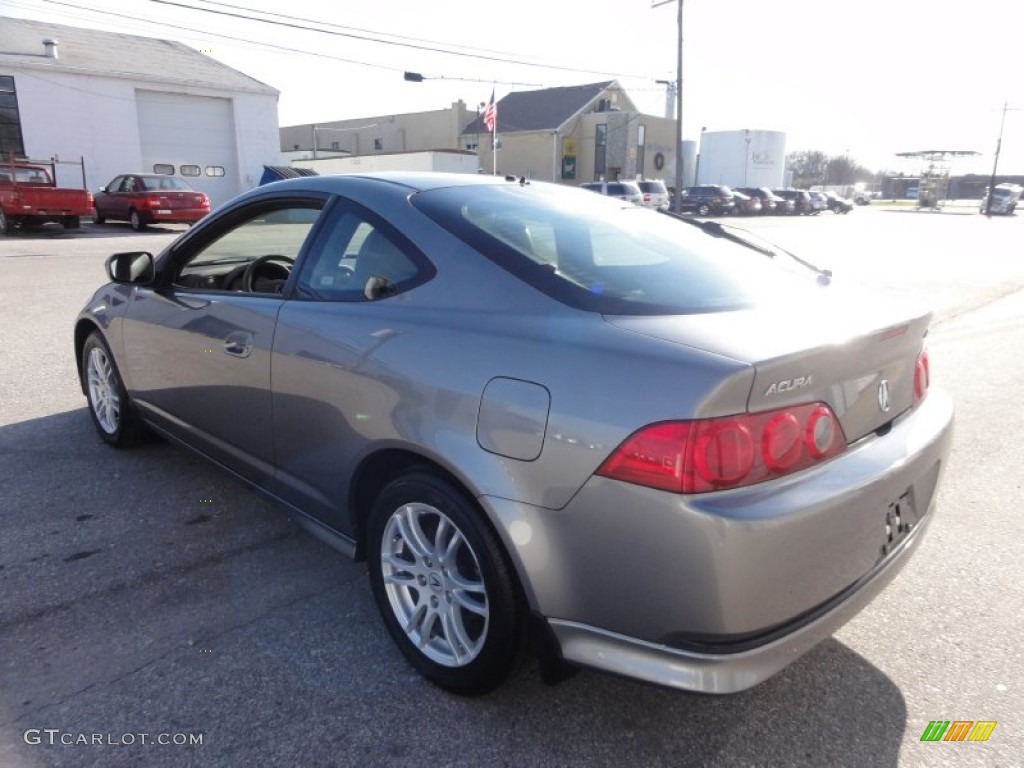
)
(677, 200)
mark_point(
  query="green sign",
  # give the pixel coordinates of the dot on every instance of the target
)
(568, 166)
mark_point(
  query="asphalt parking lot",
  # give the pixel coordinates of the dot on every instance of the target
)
(148, 598)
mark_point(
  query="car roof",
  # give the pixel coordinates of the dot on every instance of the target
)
(419, 181)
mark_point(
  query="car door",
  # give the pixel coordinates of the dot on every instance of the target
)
(106, 201)
(197, 345)
(333, 395)
(121, 198)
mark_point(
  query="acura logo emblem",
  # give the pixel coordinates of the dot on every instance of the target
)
(883, 396)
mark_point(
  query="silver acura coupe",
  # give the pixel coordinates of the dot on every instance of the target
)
(546, 419)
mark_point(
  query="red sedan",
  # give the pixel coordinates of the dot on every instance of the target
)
(142, 199)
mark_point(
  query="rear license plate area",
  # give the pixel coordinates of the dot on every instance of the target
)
(900, 520)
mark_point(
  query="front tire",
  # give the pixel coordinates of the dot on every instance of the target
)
(111, 410)
(703, 209)
(443, 584)
(7, 226)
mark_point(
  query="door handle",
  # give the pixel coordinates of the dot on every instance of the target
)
(238, 344)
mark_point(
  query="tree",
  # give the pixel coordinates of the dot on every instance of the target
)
(813, 168)
(809, 167)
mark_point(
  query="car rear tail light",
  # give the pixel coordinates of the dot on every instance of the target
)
(152, 202)
(729, 452)
(922, 376)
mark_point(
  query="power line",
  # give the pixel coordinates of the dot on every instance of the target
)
(236, 39)
(288, 49)
(353, 29)
(293, 24)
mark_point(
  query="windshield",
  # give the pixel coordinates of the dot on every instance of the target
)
(600, 255)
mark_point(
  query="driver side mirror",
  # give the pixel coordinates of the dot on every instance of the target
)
(132, 268)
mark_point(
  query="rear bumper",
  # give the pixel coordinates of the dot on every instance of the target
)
(725, 672)
(173, 215)
(716, 592)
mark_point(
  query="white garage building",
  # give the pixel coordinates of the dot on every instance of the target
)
(132, 104)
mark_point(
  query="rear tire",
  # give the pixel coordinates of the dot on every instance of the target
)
(135, 221)
(443, 584)
(98, 219)
(111, 410)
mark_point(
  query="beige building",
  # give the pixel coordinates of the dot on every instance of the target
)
(386, 134)
(575, 134)
(568, 135)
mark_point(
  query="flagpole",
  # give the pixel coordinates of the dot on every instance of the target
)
(491, 122)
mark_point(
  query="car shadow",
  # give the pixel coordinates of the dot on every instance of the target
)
(87, 229)
(119, 567)
(123, 227)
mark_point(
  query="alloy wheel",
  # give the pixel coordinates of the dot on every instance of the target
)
(432, 578)
(103, 388)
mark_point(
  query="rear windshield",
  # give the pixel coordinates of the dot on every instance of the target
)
(25, 175)
(164, 182)
(597, 254)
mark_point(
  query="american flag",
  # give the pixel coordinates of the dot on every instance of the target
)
(491, 114)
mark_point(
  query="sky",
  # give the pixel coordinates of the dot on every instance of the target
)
(869, 78)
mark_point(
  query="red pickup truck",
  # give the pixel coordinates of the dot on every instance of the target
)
(29, 196)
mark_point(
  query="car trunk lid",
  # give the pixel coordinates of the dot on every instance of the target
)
(861, 365)
(178, 199)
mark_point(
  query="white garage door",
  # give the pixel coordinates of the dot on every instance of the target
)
(193, 134)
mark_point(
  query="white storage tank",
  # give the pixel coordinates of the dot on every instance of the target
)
(744, 158)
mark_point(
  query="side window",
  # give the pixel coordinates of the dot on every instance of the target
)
(361, 259)
(254, 256)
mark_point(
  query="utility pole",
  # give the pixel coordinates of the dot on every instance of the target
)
(677, 198)
(995, 163)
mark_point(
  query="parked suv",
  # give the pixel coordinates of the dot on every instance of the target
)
(624, 190)
(708, 200)
(769, 200)
(819, 202)
(655, 193)
(801, 199)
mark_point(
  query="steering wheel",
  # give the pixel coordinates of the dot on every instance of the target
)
(251, 273)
